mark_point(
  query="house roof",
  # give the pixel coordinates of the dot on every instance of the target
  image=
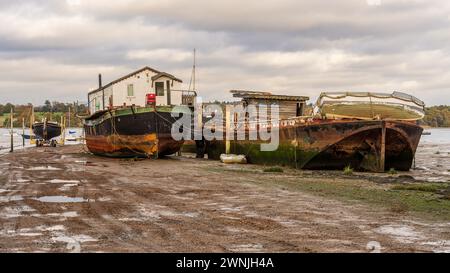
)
(244, 94)
(132, 74)
(164, 74)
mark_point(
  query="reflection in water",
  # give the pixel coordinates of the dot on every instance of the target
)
(61, 199)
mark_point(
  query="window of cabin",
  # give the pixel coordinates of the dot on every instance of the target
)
(159, 88)
(97, 104)
(130, 90)
(300, 109)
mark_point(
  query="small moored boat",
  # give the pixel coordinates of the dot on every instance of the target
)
(46, 130)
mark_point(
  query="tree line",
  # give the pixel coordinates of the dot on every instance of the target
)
(46, 107)
(437, 116)
(49, 110)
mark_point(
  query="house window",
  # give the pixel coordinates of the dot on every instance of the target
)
(130, 90)
(159, 88)
(97, 104)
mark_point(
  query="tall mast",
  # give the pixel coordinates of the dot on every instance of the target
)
(193, 70)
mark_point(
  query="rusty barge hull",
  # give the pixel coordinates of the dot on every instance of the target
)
(131, 132)
(375, 145)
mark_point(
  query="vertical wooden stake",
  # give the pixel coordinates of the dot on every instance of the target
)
(227, 129)
(69, 118)
(12, 131)
(32, 139)
(63, 129)
(383, 146)
(23, 132)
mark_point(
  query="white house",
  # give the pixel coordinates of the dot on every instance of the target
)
(133, 88)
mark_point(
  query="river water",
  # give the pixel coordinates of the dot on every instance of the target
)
(432, 161)
(433, 156)
(5, 138)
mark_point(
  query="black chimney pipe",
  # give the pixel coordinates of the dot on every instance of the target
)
(103, 90)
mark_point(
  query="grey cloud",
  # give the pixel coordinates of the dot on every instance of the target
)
(56, 48)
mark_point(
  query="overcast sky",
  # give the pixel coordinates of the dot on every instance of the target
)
(55, 48)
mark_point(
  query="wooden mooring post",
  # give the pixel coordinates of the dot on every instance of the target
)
(11, 117)
(227, 129)
(23, 132)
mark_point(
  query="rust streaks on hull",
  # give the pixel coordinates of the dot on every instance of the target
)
(132, 145)
(325, 144)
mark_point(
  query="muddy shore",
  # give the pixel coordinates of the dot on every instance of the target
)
(66, 200)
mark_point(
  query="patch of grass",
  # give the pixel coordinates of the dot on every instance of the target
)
(392, 171)
(399, 207)
(425, 187)
(425, 200)
(426, 204)
(273, 170)
(348, 170)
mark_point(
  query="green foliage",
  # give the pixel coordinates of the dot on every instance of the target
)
(51, 111)
(437, 116)
(348, 170)
(392, 171)
(429, 187)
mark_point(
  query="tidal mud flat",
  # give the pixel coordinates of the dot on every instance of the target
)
(66, 200)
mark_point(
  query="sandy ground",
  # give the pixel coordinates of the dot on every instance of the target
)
(66, 200)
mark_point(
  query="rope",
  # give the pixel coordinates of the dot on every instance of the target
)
(116, 134)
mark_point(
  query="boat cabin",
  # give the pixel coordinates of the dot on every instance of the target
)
(137, 88)
(289, 106)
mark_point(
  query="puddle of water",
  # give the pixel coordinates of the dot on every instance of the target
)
(130, 219)
(22, 180)
(44, 168)
(439, 246)
(15, 212)
(11, 198)
(60, 199)
(402, 233)
(73, 239)
(63, 181)
(38, 230)
(31, 234)
(68, 214)
(230, 209)
(55, 228)
(67, 187)
(246, 248)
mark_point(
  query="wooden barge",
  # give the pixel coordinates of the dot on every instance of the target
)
(131, 132)
(373, 143)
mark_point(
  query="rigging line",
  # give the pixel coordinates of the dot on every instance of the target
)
(121, 141)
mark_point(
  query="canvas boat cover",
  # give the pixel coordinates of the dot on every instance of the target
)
(368, 105)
